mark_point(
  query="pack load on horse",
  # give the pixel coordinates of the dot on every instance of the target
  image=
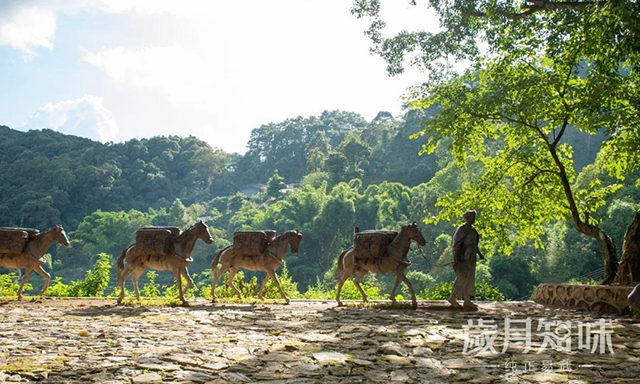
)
(156, 240)
(372, 244)
(14, 240)
(252, 242)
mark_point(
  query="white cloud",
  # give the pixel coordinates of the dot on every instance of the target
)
(27, 29)
(178, 72)
(85, 116)
(29, 25)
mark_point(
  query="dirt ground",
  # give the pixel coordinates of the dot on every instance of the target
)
(83, 341)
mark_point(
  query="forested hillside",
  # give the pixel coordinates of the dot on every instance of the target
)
(351, 172)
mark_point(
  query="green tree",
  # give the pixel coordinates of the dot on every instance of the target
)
(275, 184)
(549, 65)
(337, 166)
(179, 215)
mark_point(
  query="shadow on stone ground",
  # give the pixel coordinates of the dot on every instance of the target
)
(85, 341)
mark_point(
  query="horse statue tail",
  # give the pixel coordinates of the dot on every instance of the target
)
(214, 263)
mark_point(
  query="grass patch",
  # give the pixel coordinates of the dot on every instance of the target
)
(31, 365)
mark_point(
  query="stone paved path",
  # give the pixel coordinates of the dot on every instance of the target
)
(64, 341)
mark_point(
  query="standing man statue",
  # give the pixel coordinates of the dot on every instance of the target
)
(465, 247)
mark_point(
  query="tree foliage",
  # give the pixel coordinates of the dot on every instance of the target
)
(548, 65)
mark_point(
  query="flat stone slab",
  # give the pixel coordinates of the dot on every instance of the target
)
(79, 341)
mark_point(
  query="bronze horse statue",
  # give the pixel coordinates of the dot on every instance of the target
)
(269, 261)
(397, 250)
(138, 261)
(31, 258)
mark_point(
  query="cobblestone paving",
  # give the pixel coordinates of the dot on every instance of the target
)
(64, 341)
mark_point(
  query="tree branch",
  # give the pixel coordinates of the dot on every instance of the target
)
(535, 176)
(564, 126)
(534, 6)
(540, 170)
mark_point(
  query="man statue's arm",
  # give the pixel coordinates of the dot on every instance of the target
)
(478, 244)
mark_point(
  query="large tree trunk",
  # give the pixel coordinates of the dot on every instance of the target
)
(629, 268)
(608, 247)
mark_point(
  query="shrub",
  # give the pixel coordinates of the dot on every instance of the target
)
(484, 292)
(419, 280)
(93, 285)
(97, 279)
(487, 292)
(225, 292)
(171, 292)
(289, 287)
(321, 291)
(438, 292)
(250, 288)
(9, 285)
(151, 289)
(58, 289)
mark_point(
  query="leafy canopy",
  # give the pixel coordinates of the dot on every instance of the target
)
(546, 66)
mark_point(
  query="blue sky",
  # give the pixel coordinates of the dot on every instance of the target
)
(113, 70)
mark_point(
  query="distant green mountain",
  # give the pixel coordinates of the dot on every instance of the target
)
(48, 177)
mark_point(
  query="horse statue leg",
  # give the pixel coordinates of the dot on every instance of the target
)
(356, 281)
(414, 301)
(125, 275)
(27, 272)
(177, 275)
(393, 289)
(400, 276)
(263, 285)
(232, 274)
(277, 281)
(190, 282)
(47, 278)
(122, 273)
(134, 280)
(346, 267)
(216, 273)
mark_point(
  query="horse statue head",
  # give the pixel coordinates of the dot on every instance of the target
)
(413, 232)
(201, 230)
(294, 238)
(59, 235)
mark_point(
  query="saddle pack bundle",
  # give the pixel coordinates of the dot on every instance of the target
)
(252, 242)
(372, 244)
(14, 240)
(156, 240)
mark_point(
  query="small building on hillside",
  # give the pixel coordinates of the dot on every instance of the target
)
(250, 190)
(289, 188)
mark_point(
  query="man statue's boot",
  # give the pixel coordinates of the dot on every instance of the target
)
(468, 304)
(453, 302)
